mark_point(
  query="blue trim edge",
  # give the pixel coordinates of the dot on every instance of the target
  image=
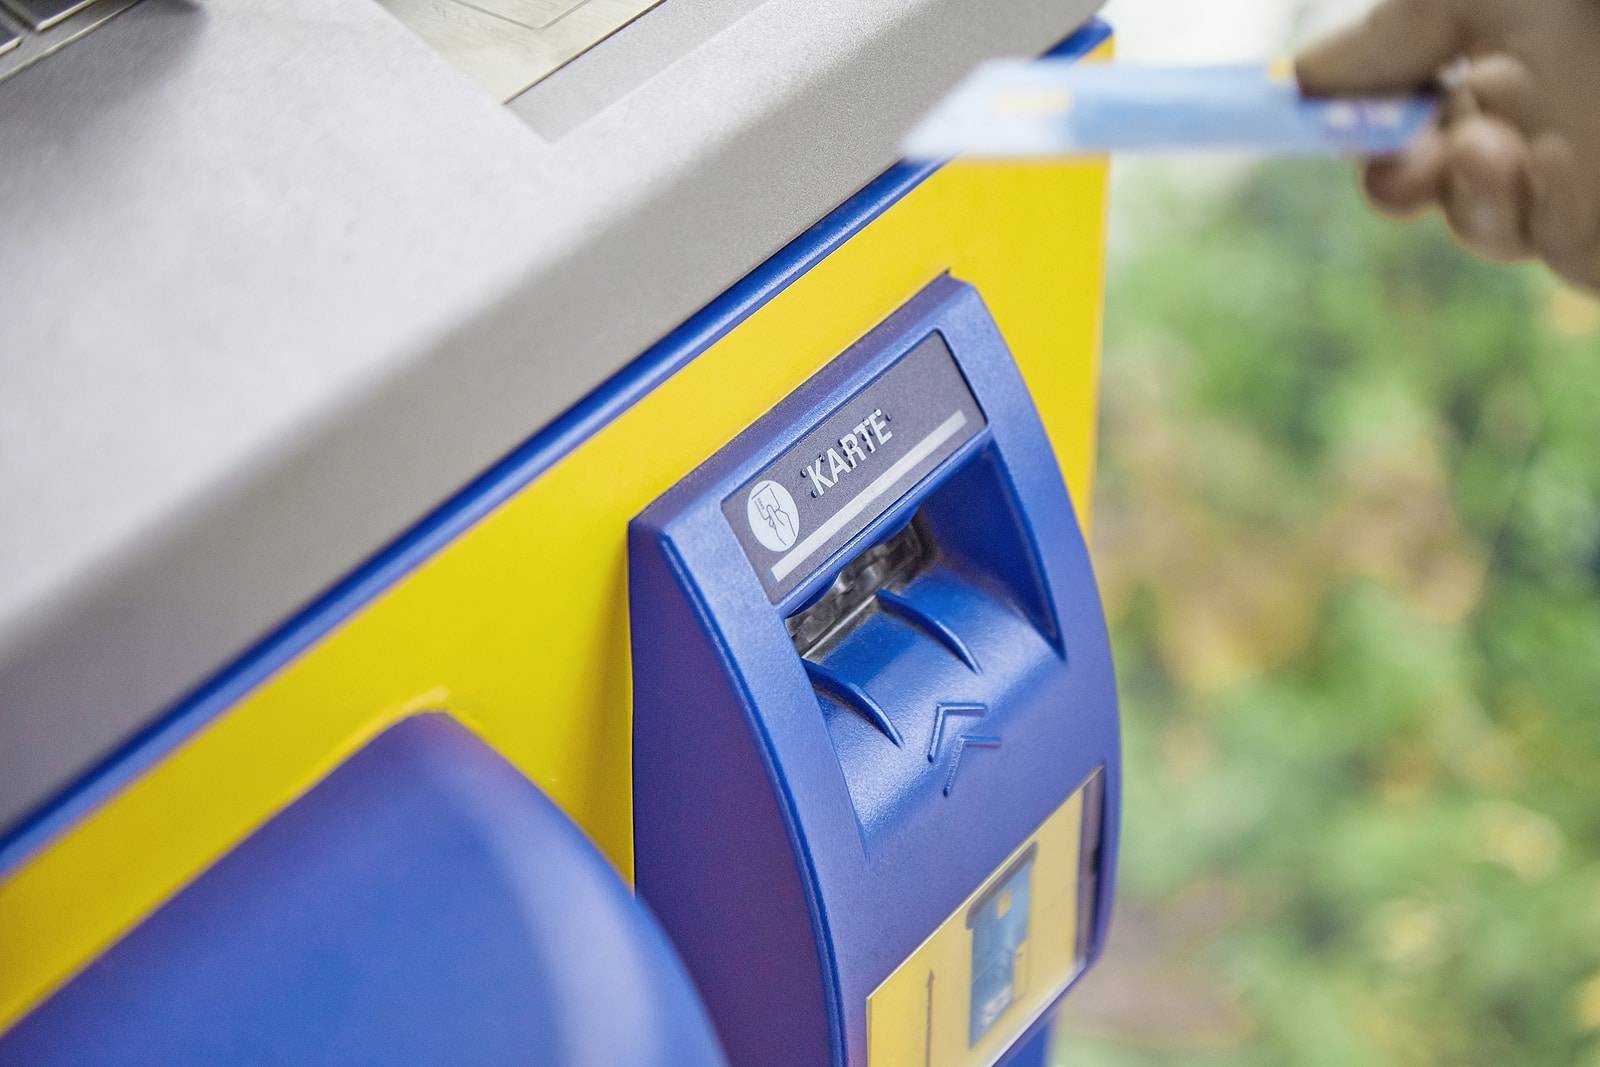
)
(481, 496)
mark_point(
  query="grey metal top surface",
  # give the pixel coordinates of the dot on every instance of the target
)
(276, 280)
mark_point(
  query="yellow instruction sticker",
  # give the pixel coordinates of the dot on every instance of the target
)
(987, 973)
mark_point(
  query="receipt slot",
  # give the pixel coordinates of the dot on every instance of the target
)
(876, 763)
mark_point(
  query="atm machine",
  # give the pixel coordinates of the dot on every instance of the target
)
(531, 537)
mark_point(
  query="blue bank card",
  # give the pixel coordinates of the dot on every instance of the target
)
(1050, 107)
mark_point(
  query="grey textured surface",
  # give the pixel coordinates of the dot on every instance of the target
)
(277, 280)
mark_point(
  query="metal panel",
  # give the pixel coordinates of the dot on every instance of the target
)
(505, 46)
(304, 282)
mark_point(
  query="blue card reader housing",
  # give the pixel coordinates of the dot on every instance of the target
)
(869, 662)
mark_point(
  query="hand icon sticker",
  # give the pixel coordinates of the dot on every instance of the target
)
(774, 519)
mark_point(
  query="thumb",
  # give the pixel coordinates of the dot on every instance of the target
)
(1399, 47)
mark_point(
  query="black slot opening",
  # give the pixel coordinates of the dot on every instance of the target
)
(1091, 860)
(883, 566)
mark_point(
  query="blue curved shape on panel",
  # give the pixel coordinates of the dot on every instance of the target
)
(424, 904)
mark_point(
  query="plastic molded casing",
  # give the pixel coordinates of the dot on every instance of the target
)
(425, 904)
(803, 824)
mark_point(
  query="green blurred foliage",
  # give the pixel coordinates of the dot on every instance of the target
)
(1348, 527)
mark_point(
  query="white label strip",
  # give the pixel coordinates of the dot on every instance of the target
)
(862, 500)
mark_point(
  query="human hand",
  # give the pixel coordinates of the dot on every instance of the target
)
(1514, 161)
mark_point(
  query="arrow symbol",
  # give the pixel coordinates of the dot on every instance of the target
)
(941, 714)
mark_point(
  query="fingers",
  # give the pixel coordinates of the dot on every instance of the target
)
(1513, 158)
(1479, 171)
(1503, 86)
(1400, 46)
(1487, 188)
(1564, 217)
(1406, 185)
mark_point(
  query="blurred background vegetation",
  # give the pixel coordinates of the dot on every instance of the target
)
(1348, 528)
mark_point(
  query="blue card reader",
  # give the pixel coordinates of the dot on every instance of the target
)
(876, 765)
